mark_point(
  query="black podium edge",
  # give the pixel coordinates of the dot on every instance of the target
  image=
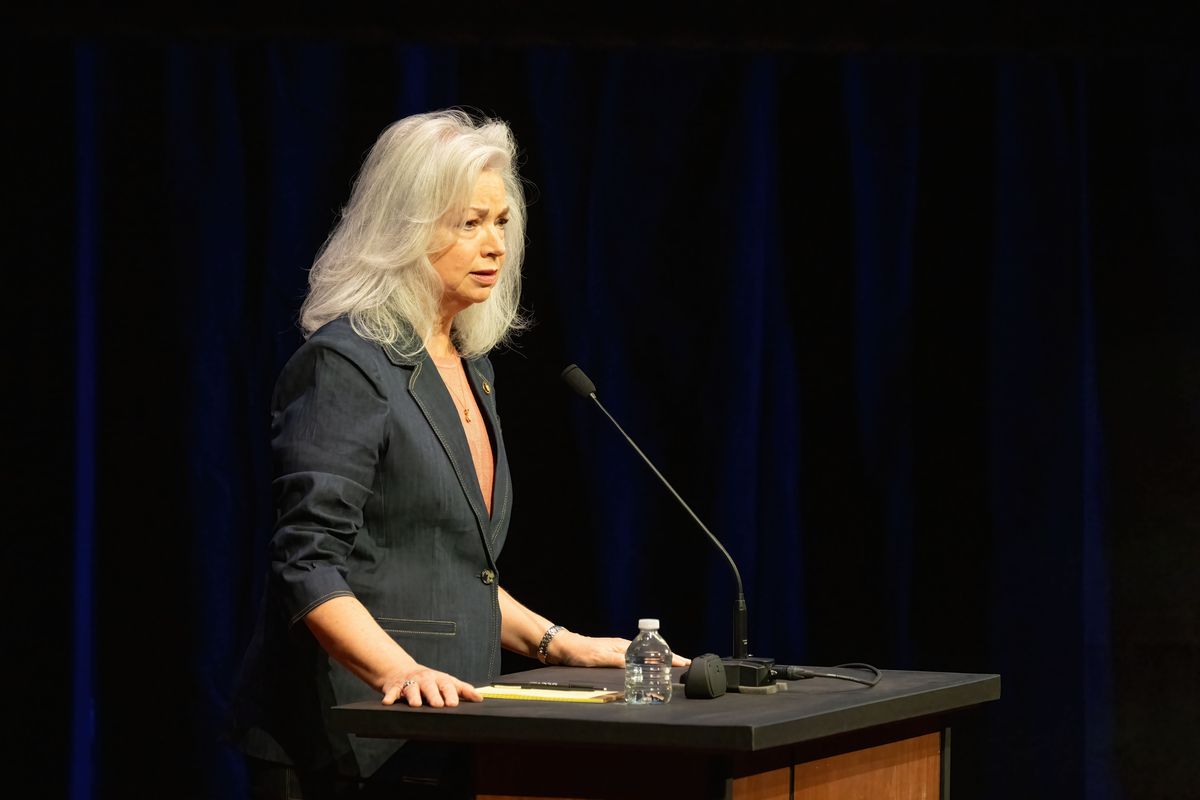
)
(466, 724)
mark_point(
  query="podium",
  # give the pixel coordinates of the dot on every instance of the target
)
(819, 739)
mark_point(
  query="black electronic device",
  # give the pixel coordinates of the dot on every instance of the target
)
(705, 678)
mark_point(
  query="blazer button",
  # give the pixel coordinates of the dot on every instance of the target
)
(488, 577)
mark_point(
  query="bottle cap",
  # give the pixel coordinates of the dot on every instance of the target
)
(647, 624)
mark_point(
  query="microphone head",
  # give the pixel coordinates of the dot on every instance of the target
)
(579, 382)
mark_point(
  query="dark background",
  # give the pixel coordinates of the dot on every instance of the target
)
(901, 298)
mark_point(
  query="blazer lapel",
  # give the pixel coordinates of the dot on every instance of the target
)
(485, 396)
(434, 400)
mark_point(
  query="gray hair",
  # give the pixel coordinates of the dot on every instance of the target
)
(375, 266)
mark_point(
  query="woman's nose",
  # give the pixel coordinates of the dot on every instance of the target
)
(494, 244)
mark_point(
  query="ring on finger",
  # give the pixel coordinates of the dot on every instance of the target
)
(407, 683)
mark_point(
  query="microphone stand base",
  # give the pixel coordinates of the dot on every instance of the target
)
(772, 688)
(750, 675)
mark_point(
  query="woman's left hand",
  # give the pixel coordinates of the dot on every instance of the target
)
(576, 650)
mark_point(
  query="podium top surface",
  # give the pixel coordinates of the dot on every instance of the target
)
(809, 710)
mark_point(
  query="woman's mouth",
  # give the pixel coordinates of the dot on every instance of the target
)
(486, 277)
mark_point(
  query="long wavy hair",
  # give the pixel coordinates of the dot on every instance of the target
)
(375, 266)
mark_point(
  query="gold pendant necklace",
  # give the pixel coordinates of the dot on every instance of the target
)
(462, 391)
(466, 407)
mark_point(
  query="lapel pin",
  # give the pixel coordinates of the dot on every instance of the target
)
(487, 388)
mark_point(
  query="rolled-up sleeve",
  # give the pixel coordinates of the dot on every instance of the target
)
(328, 426)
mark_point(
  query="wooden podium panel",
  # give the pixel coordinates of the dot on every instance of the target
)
(908, 769)
(774, 784)
(820, 740)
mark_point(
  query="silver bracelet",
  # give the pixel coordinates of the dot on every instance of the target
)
(551, 632)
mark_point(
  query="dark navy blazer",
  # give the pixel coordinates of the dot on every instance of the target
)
(376, 496)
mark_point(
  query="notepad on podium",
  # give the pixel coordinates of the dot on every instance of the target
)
(553, 692)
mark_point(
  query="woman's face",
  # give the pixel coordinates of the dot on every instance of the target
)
(471, 250)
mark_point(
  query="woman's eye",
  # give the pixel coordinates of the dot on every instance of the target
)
(471, 224)
(502, 221)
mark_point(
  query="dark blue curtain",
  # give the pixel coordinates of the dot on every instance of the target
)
(914, 333)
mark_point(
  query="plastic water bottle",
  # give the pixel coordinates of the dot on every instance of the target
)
(648, 667)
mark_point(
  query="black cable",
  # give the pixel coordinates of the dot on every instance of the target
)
(785, 672)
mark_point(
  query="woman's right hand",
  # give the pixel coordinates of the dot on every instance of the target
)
(352, 636)
(418, 685)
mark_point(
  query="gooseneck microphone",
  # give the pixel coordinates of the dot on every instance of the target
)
(583, 386)
(742, 672)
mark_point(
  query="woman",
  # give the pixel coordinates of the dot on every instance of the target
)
(391, 485)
